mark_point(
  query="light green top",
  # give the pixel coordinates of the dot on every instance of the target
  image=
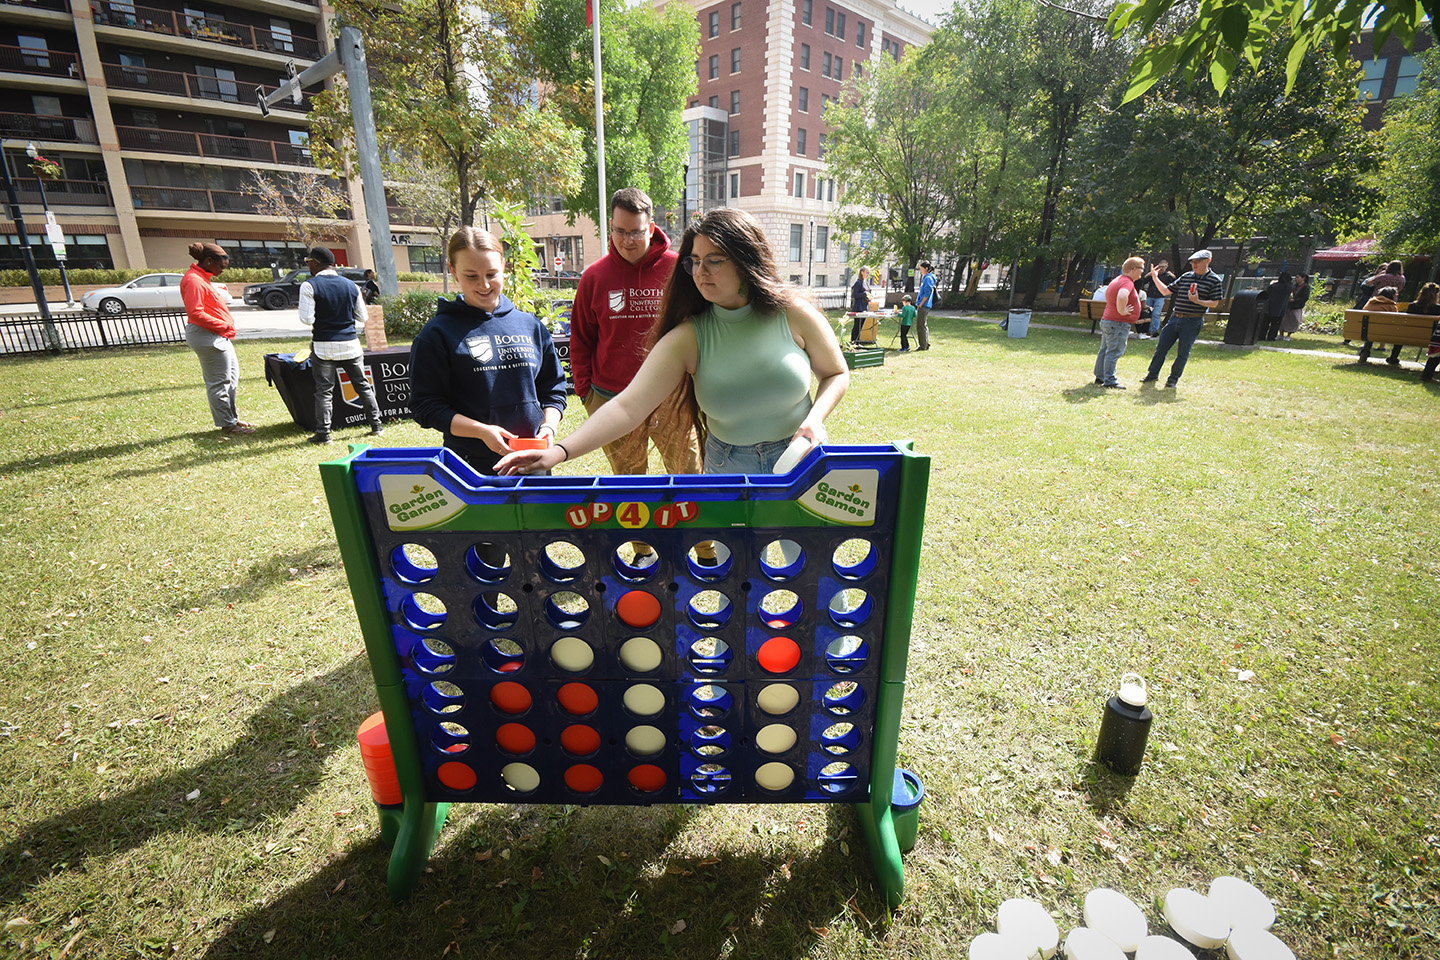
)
(752, 380)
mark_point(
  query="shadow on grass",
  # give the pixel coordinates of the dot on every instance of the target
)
(275, 759)
(263, 576)
(1076, 342)
(1107, 789)
(555, 896)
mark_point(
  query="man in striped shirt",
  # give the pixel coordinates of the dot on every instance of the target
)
(1197, 290)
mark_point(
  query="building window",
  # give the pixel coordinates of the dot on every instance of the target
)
(820, 152)
(715, 102)
(830, 191)
(800, 185)
(827, 64)
(1374, 76)
(842, 247)
(714, 66)
(734, 185)
(734, 101)
(839, 68)
(735, 60)
(34, 52)
(822, 246)
(824, 99)
(804, 56)
(804, 100)
(281, 36)
(715, 23)
(830, 21)
(734, 143)
(807, 8)
(822, 280)
(1408, 76)
(885, 45)
(797, 241)
(860, 34)
(840, 25)
(800, 141)
(734, 16)
(859, 68)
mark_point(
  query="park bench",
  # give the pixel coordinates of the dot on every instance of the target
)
(1399, 329)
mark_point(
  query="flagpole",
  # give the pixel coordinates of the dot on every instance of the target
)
(603, 223)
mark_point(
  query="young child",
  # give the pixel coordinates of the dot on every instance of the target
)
(482, 371)
(907, 317)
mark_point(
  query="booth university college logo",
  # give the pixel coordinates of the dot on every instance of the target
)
(481, 348)
(617, 301)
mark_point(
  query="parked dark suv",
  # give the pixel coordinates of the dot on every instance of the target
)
(285, 292)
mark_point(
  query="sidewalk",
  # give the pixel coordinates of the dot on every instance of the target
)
(251, 323)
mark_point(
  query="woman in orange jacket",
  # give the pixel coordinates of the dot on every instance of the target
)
(209, 333)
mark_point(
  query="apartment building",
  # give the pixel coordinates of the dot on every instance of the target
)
(766, 71)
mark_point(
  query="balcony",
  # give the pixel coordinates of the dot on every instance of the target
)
(58, 5)
(176, 24)
(40, 126)
(45, 63)
(175, 84)
(199, 201)
(63, 193)
(211, 145)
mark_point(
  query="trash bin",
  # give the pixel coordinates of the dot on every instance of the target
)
(1244, 317)
(1018, 323)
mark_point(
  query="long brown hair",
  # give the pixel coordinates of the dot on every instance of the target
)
(1430, 293)
(741, 238)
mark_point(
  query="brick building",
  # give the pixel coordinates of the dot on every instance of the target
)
(767, 68)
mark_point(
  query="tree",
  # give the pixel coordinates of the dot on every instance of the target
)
(1226, 33)
(1409, 178)
(1187, 164)
(454, 90)
(890, 140)
(648, 58)
(312, 207)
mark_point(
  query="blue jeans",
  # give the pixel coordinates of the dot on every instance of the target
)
(722, 457)
(1114, 337)
(1181, 329)
(1157, 314)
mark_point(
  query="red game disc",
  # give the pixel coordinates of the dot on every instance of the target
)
(577, 699)
(779, 655)
(583, 778)
(647, 778)
(510, 697)
(638, 609)
(456, 776)
(580, 740)
(515, 738)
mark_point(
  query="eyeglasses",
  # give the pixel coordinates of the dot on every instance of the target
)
(710, 264)
(634, 236)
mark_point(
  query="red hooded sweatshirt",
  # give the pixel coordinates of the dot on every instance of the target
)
(616, 304)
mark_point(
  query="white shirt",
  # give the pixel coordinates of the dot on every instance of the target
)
(333, 349)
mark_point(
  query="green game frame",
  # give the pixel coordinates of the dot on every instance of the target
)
(414, 826)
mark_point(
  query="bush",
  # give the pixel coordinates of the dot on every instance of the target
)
(1323, 317)
(410, 276)
(406, 314)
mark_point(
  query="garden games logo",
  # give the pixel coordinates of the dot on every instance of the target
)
(415, 501)
(845, 496)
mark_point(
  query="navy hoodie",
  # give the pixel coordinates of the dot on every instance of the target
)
(498, 368)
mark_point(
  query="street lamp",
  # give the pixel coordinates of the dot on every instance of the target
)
(32, 153)
(52, 335)
(810, 270)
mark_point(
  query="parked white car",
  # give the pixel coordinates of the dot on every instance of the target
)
(154, 291)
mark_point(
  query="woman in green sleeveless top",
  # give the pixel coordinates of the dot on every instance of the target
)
(747, 340)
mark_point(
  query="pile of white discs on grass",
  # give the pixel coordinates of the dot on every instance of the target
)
(1233, 915)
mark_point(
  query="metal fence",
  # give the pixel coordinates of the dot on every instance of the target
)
(22, 333)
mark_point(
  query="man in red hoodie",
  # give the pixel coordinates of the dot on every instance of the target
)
(615, 306)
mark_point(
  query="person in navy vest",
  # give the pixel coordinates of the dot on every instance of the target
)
(335, 308)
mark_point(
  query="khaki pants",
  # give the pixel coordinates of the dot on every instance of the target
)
(671, 428)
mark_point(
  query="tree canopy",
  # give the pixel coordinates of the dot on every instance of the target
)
(1409, 178)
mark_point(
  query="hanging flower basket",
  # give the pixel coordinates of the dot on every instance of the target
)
(46, 169)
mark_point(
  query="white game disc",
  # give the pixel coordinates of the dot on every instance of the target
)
(1256, 945)
(1026, 920)
(1244, 906)
(993, 946)
(1162, 948)
(1195, 918)
(1116, 916)
(1082, 943)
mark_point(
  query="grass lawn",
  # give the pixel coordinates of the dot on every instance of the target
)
(183, 677)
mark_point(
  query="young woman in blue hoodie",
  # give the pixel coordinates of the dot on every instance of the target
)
(482, 371)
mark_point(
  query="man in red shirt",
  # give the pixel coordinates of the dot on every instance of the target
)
(1122, 309)
(615, 306)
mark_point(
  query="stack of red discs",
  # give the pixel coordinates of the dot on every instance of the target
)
(379, 764)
